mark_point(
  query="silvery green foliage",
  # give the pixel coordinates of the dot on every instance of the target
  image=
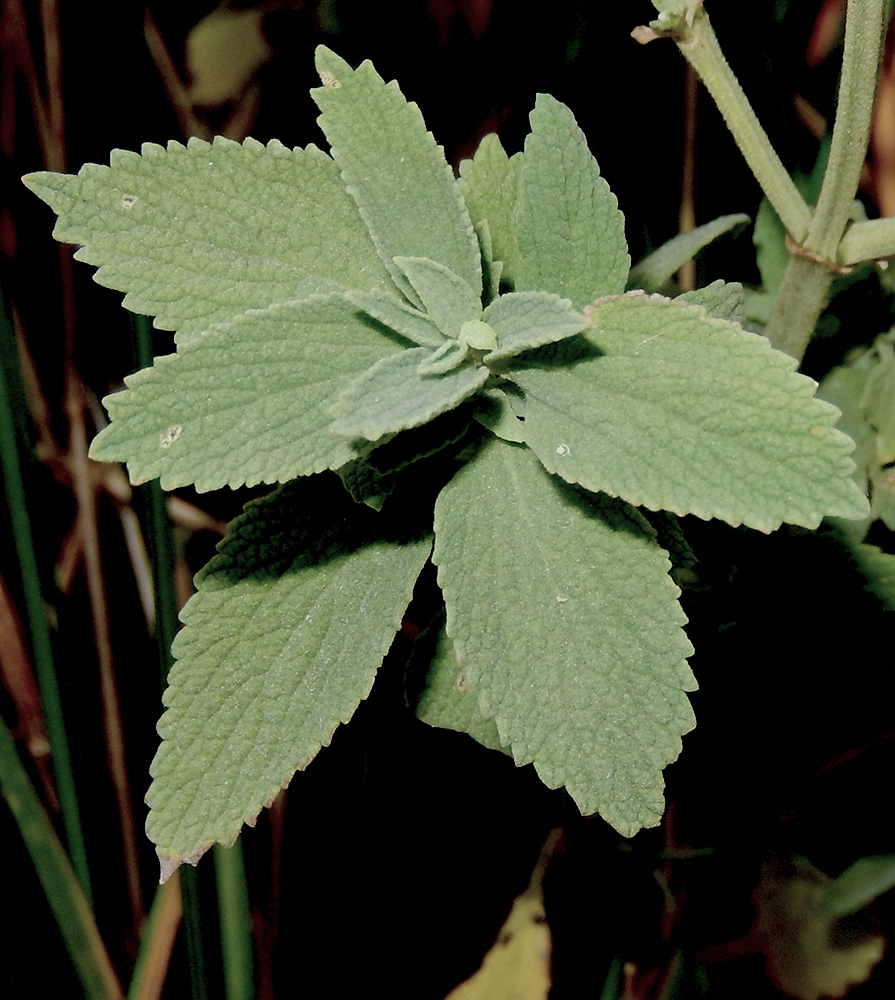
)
(410, 357)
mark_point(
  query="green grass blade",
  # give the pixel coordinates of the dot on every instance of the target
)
(67, 900)
(233, 907)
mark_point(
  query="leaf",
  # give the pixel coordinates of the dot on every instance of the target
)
(489, 183)
(280, 644)
(656, 270)
(447, 701)
(803, 958)
(523, 320)
(580, 659)
(224, 52)
(878, 401)
(199, 234)
(449, 300)
(398, 316)
(571, 233)
(403, 186)
(691, 414)
(858, 885)
(247, 402)
(393, 395)
(721, 299)
(495, 411)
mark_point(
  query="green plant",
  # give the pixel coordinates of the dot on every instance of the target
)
(387, 341)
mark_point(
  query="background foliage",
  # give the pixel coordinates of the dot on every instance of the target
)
(793, 748)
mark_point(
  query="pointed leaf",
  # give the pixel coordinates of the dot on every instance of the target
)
(245, 403)
(399, 316)
(281, 642)
(393, 396)
(449, 300)
(495, 411)
(489, 183)
(523, 320)
(571, 233)
(581, 660)
(201, 233)
(654, 271)
(858, 885)
(691, 414)
(403, 186)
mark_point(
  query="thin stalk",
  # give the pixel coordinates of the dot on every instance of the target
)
(870, 240)
(67, 900)
(700, 47)
(38, 626)
(158, 936)
(806, 282)
(233, 907)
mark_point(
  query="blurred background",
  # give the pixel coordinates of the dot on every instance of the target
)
(392, 862)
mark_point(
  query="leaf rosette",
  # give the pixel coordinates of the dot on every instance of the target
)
(459, 350)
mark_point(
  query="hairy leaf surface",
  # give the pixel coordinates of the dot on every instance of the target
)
(281, 642)
(198, 234)
(245, 403)
(571, 233)
(393, 395)
(523, 320)
(685, 412)
(489, 182)
(567, 626)
(403, 186)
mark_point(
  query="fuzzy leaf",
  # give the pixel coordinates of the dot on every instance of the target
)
(721, 299)
(523, 320)
(654, 271)
(489, 183)
(495, 411)
(571, 233)
(449, 300)
(247, 402)
(398, 316)
(448, 702)
(581, 660)
(858, 885)
(403, 186)
(393, 395)
(683, 412)
(199, 234)
(281, 642)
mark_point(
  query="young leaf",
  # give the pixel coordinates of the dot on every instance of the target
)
(245, 403)
(403, 186)
(580, 659)
(721, 299)
(571, 233)
(692, 414)
(449, 300)
(199, 234)
(489, 183)
(393, 395)
(281, 642)
(523, 320)
(398, 316)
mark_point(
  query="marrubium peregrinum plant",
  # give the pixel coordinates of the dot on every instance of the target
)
(426, 367)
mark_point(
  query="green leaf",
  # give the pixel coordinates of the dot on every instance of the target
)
(858, 885)
(571, 233)
(878, 401)
(489, 183)
(581, 660)
(447, 701)
(199, 234)
(393, 395)
(687, 413)
(449, 300)
(495, 411)
(281, 642)
(398, 316)
(523, 320)
(657, 269)
(403, 186)
(245, 403)
(721, 299)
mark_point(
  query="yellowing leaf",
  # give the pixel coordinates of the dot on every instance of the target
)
(518, 965)
(224, 51)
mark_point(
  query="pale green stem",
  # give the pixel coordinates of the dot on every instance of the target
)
(700, 47)
(806, 283)
(869, 240)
